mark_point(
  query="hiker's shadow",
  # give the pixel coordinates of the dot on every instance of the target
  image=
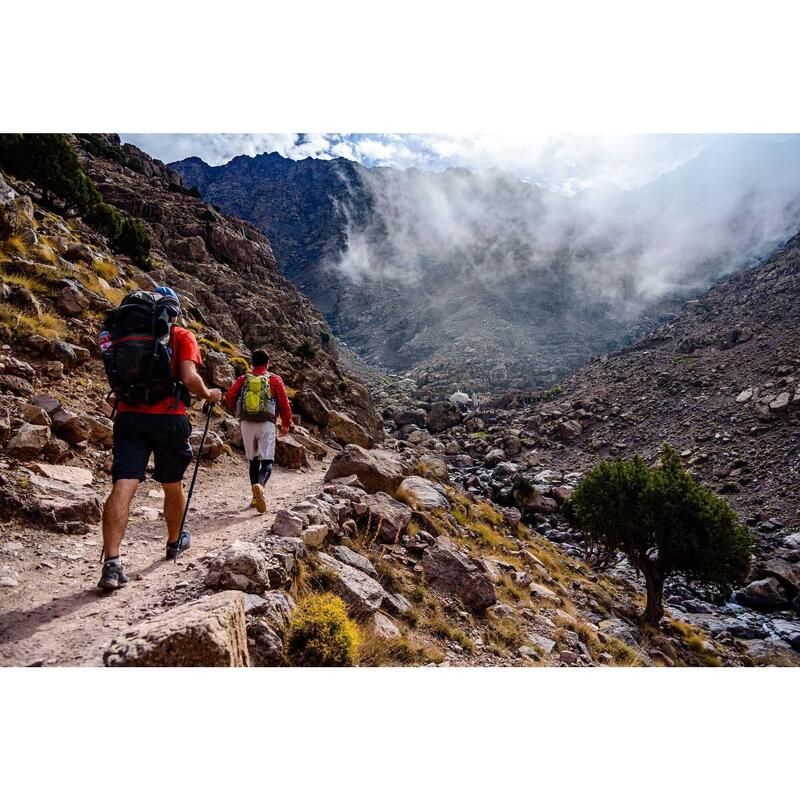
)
(18, 625)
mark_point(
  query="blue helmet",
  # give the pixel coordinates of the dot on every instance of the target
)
(171, 300)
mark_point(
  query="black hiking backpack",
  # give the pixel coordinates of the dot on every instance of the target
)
(137, 351)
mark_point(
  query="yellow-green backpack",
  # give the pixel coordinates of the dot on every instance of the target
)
(255, 399)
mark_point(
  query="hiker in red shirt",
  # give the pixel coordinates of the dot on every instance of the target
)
(151, 415)
(254, 398)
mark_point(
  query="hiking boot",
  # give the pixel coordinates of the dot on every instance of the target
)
(258, 498)
(113, 576)
(174, 548)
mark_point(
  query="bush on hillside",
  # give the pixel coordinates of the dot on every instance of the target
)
(133, 241)
(50, 161)
(321, 634)
(664, 521)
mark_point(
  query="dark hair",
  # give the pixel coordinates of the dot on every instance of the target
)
(260, 358)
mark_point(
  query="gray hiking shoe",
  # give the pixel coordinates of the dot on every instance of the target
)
(113, 577)
(173, 548)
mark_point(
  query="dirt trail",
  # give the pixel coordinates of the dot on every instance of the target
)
(55, 615)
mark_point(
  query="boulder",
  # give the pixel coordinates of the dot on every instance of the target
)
(13, 384)
(378, 470)
(347, 431)
(383, 627)
(763, 594)
(240, 565)
(443, 415)
(312, 408)
(420, 493)
(787, 573)
(220, 372)
(71, 301)
(36, 415)
(312, 445)
(78, 251)
(411, 416)
(16, 211)
(53, 501)
(353, 559)
(264, 644)
(75, 476)
(388, 517)
(434, 466)
(362, 594)
(448, 569)
(64, 352)
(70, 427)
(28, 442)
(209, 632)
(569, 429)
(745, 396)
(287, 523)
(289, 452)
(213, 448)
(101, 432)
(788, 631)
(233, 433)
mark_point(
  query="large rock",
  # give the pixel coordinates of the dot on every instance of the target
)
(353, 559)
(210, 632)
(287, 523)
(71, 427)
(219, 369)
(347, 431)
(240, 565)
(362, 594)
(28, 442)
(388, 517)
(290, 453)
(569, 429)
(448, 569)
(312, 407)
(420, 493)
(787, 573)
(764, 594)
(75, 476)
(100, 431)
(49, 501)
(71, 301)
(378, 470)
(16, 211)
(443, 415)
(213, 448)
(14, 384)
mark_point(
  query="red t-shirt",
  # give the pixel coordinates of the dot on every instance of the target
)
(184, 348)
(276, 389)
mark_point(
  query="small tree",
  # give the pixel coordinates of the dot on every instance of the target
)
(664, 521)
(50, 161)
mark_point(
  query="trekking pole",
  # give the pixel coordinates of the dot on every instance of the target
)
(207, 408)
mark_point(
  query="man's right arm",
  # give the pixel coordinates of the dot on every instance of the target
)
(191, 379)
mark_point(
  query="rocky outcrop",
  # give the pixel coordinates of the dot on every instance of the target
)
(362, 594)
(448, 569)
(378, 470)
(209, 632)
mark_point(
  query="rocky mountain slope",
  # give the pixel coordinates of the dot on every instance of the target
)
(490, 283)
(434, 560)
(719, 382)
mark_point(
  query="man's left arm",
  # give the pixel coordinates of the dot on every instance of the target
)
(282, 401)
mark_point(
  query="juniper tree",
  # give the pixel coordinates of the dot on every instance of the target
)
(665, 522)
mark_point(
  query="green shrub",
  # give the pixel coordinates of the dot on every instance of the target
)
(240, 365)
(105, 219)
(321, 634)
(50, 161)
(664, 521)
(133, 241)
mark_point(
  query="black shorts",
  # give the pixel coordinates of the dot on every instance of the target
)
(137, 435)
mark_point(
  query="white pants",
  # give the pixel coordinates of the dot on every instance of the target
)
(259, 440)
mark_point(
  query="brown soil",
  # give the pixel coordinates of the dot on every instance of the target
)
(56, 616)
